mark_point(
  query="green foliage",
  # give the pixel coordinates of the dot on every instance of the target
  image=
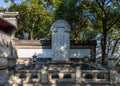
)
(6, 1)
(33, 19)
(74, 12)
(106, 15)
(12, 1)
(86, 17)
(90, 17)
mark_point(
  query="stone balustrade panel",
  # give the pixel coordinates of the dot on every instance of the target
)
(61, 76)
(97, 76)
(19, 78)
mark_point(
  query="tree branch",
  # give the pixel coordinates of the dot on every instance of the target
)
(98, 3)
(108, 2)
(104, 15)
(115, 46)
(114, 23)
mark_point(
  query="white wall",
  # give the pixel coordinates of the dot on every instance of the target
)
(30, 52)
(45, 53)
(79, 53)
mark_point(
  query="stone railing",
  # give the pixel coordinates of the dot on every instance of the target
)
(66, 76)
(95, 76)
(25, 77)
(46, 76)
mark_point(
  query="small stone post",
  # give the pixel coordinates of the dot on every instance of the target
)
(78, 75)
(44, 76)
(113, 75)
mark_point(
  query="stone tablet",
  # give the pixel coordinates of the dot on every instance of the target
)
(60, 40)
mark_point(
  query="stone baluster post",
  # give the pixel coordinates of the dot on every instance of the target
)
(44, 75)
(78, 75)
(113, 76)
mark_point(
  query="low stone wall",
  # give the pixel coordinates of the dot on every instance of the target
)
(45, 76)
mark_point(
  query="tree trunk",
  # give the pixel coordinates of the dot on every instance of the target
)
(31, 31)
(31, 34)
(108, 46)
(104, 42)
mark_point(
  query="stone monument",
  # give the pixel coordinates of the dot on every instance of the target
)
(60, 40)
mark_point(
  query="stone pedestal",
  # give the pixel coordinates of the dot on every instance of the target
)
(60, 40)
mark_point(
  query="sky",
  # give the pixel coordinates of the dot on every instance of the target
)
(2, 3)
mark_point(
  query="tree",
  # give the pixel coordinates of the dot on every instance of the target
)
(38, 17)
(74, 12)
(33, 19)
(106, 15)
(86, 17)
